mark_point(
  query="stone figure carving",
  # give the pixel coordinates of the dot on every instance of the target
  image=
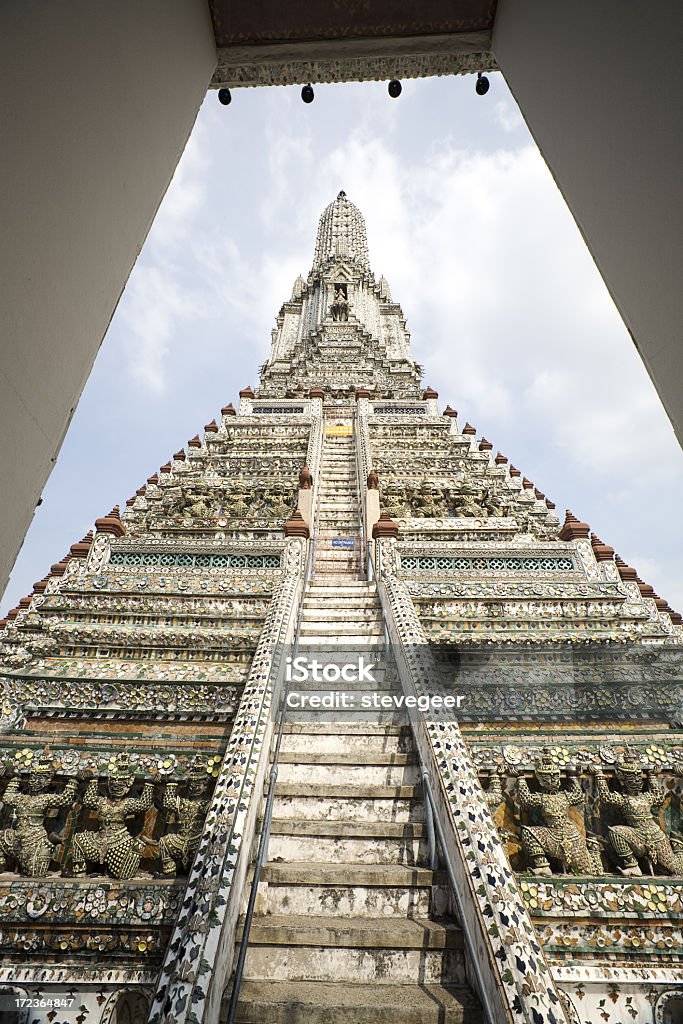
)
(494, 505)
(428, 501)
(27, 841)
(641, 835)
(373, 481)
(191, 501)
(112, 847)
(558, 838)
(494, 794)
(190, 811)
(469, 503)
(340, 307)
(305, 479)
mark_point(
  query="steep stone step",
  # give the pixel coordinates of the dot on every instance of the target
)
(329, 519)
(326, 551)
(361, 611)
(303, 1002)
(342, 523)
(330, 529)
(350, 730)
(319, 615)
(338, 555)
(338, 603)
(384, 967)
(317, 611)
(371, 645)
(369, 642)
(315, 617)
(360, 933)
(356, 626)
(336, 570)
(346, 790)
(350, 758)
(335, 849)
(369, 775)
(314, 739)
(351, 901)
(354, 604)
(355, 829)
(347, 850)
(336, 651)
(335, 806)
(351, 587)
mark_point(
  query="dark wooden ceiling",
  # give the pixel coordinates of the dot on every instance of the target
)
(282, 42)
(269, 21)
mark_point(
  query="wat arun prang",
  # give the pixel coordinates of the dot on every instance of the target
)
(137, 721)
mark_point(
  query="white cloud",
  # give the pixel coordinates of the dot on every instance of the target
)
(184, 198)
(154, 305)
(160, 296)
(508, 115)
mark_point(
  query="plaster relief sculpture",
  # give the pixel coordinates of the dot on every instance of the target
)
(340, 307)
(558, 839)
(640, 837)
(26, 843)
(190, 810)
(112, 847)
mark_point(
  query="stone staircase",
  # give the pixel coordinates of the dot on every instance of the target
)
(351, 925)
(338, 520)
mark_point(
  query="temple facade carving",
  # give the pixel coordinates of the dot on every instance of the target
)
(140, 687)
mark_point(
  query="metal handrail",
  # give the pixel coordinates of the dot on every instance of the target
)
(435, 833)
(365, 565)
(272, 779)
(472, 957)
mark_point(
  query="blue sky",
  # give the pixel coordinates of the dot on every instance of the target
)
(506, 309)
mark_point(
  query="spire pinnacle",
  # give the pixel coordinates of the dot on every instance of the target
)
(341, 236)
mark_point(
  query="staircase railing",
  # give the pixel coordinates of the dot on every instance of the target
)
(264, 839)
(436, 841)
(361, 475)
(470, 847)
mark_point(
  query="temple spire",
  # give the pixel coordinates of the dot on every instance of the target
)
(341, 236)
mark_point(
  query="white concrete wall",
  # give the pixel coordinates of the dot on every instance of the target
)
(601, 87)
(98, 100)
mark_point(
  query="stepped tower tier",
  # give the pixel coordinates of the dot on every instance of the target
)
(480, 818)
(340, 331)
